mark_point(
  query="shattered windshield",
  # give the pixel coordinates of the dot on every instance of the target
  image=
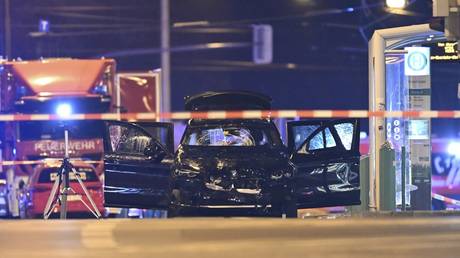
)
(231, 136)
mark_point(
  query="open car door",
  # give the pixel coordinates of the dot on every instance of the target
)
(325, 154)
(137, 162)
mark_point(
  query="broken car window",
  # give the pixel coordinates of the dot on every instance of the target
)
(321, 140)
(302, 133)
(345, 132)
(228, 136)
(330, 142)
(317, 142)
(128, 140)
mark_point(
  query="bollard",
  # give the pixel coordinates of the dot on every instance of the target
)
(403, 178)
(363, 187)
(387, 178)
(364, 182)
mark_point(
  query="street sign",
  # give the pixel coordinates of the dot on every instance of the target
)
(262, 39)
(444, 51)
(417, 61)
(43, 26)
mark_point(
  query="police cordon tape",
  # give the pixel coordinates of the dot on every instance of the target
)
(243, 114)
(44, 161)
(445, 199)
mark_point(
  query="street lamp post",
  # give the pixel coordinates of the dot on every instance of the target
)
(165, 58)
(7, 21)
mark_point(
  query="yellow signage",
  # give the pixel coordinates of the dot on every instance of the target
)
(445, 51)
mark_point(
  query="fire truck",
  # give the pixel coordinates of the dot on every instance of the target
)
(51, 86)
(62, 86)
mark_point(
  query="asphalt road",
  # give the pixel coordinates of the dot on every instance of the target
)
(236, 238)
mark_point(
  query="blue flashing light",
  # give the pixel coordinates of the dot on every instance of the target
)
(101, 89)
(350, 9)
(64, 110)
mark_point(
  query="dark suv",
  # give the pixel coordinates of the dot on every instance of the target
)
(234, 164)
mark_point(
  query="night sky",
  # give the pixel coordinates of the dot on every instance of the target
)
(320, 46)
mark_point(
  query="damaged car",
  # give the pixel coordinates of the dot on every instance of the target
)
(232, 166)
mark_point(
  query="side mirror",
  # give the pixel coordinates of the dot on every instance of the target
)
(154, 152)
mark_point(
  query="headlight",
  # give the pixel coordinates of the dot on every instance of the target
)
(186, 172)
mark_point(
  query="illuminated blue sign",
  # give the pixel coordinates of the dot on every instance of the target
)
(417, 61)
(43, 26)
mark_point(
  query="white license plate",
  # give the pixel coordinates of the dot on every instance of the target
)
(73, 198)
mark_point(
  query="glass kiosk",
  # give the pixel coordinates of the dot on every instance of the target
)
(399, 80)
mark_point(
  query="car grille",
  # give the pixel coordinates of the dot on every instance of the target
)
(241, 179)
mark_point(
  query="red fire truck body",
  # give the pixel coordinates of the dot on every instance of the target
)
(61, 87)
(52, 86)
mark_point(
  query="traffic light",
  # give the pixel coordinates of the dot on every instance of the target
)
(262, 40)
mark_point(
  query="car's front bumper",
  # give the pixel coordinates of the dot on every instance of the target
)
(196, 193)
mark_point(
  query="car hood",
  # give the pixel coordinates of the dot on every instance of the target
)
(230, 158)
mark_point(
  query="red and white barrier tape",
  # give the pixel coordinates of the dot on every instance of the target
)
(244, 114)
(35, 162)
(445, 199)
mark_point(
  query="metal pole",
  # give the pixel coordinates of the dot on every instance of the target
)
(65, 177)
(7, 30)
(376, 125)
(403, 178)
(66, 143)
(165, 58)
